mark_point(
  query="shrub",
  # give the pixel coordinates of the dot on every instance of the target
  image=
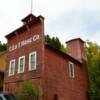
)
(27, 91)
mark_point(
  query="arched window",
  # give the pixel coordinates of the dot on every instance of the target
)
(55, 97)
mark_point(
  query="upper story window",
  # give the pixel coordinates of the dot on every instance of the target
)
(12, 67)
(21, 64)
(71, 69)
(32, 61)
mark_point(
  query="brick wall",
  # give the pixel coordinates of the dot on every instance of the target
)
(52, 73)
(57, 80)
(38, 46)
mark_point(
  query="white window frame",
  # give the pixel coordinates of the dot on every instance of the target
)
(72, 76)
(10, 67)
(23, 64)
(32, 53)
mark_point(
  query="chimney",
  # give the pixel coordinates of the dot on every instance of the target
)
(76, 49)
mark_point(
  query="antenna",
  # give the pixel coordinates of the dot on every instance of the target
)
(31, 6)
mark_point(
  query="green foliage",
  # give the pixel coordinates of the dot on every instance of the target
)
(93, 55)
(27, 91)
(3, 47)
(47, 39)
(63, 49)
(55, 43)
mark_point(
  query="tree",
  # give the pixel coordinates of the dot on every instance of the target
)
(3, 47)
(47, 39)
(27, 91)
(93, 55)
(63, 49)
(55, 43)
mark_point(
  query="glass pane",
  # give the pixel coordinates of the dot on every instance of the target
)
(21, 68)
(32, 61)
(71, 70)
(12, 67)
(9, 97)
(33, 57)
(21, 64)
(21, 61)
(32, 64)
(1, 98)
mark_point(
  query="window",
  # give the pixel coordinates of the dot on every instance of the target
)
(55, 97)
(1, 98)
(9, 97)
(71, 69)
(21, 64)
(32, 61)
(11, 67)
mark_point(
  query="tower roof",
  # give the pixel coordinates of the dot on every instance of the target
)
(75, 40)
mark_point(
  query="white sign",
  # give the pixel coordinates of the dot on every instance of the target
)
(24, 42)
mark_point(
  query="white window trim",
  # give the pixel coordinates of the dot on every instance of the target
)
(10, 67)
(70, 70)
(30, 60)
(19, 64)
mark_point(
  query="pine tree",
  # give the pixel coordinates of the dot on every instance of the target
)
(3, 47)
(55, 43)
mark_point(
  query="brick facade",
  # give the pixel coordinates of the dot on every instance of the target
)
(52, 66)
(29, 31)
(57, 79)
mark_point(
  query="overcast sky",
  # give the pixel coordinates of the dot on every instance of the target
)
(66, 19)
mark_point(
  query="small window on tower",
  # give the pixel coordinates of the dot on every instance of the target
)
(11, 67)
(21, 64)
(71, 69)
(32, 61)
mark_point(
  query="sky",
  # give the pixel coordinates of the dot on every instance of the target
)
(66, 19)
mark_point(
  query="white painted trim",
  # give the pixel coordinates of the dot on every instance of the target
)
(19, 64)
(32, 53)
(71, 63)
(10, 67)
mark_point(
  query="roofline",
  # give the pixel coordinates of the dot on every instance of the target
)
(28, 16)
(75, 39)
(12, 33)
(62, 53)
(23, 27)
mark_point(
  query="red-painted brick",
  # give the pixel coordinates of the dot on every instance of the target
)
(52, 73)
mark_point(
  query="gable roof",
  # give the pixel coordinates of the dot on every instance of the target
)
(62, 53)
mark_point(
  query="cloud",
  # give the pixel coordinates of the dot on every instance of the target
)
(63, 18)
(82, 24)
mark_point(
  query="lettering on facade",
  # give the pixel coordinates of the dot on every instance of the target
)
(24, 42)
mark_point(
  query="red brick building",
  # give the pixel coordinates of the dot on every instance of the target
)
(60, 76)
